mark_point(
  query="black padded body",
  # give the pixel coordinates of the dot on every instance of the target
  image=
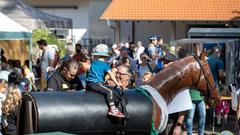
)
(84, 112)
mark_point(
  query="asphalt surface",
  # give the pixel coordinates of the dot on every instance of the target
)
(217, 129)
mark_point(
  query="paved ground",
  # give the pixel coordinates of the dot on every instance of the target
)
(218, 129)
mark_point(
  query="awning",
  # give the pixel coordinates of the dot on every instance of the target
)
(173, 10)
(30, 17)
(214, 32)
(11, 30)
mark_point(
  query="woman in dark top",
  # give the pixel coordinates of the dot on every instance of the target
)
(66, 78)
(10, 110)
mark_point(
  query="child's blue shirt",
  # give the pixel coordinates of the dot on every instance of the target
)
(97, 71)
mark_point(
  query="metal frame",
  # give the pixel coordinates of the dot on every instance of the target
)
(232, 51)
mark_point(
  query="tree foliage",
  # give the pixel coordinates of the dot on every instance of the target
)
(49, 37)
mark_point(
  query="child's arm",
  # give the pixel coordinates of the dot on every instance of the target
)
(113, 78)
(114, 70)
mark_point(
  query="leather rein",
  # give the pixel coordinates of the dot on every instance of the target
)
(208, 85)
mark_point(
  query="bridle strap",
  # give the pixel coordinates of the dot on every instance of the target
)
(208, 85)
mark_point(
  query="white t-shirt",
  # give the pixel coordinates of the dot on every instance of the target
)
(139, 51)
(4, 74)
(48, 55)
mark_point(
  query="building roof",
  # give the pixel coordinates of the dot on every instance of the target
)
(176, 10)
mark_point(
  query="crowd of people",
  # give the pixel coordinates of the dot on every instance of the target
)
(101, 70)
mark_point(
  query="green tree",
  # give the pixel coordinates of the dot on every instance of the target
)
(49, 37)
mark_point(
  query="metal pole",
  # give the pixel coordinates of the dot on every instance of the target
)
(0, 59)
(30, 60)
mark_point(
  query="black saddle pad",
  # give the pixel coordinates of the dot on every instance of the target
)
(85, 112)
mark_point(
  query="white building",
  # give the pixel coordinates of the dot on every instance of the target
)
(131, 24)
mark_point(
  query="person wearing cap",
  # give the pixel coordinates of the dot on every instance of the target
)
(151, 49)
(95, 79)
(154, 51)
(47, 61)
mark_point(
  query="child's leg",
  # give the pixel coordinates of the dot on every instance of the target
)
(100, 88)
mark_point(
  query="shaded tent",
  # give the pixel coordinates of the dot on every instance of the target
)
(11, 30)
(30, 17)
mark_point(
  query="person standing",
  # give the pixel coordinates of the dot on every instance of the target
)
(47, 61)
(216, 66)
(132, 51)
(124, 53)
(69, 53)
(140, 49)
(147, 65)
(197, 102)
(155, 52)
(159, 62)
(151, 50)
(78, 49)
(3, 59)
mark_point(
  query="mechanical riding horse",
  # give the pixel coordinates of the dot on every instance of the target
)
(85, 112)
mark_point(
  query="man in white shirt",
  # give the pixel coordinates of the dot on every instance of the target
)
(139, 51)
(47, 61)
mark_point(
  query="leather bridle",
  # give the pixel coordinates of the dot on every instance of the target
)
(208, 85)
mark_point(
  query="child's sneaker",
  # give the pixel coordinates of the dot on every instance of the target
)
(115, 112)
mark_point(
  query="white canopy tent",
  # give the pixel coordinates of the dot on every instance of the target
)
(31, 17)
(11, 30)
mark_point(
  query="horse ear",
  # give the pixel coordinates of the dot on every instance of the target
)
(196, 50)
(203, 55)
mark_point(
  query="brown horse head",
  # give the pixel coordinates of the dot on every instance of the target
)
(205, 81)
(187, 72)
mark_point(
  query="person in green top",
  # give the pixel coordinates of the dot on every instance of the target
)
(197, 102)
